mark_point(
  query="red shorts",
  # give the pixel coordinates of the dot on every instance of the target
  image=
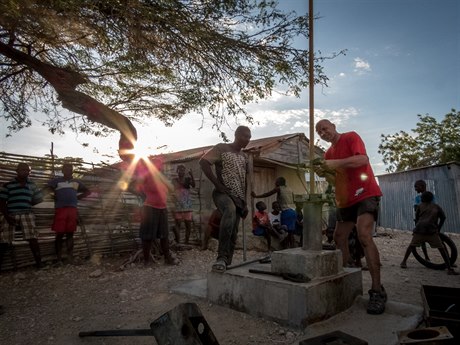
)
(65, 219)
(187, 215)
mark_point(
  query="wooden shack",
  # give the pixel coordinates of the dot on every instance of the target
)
(284, 155)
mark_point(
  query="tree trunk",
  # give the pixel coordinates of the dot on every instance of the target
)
(64, 82)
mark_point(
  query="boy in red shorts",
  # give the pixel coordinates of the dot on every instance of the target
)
(67, 191)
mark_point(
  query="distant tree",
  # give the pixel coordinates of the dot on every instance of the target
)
(431, 143)
(113, 61)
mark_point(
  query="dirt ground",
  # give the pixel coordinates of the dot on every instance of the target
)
(53, 305)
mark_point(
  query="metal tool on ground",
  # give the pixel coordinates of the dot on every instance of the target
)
(183, 325)
(262, 260)
(293, 277)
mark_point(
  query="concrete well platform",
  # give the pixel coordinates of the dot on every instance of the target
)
(289, 303)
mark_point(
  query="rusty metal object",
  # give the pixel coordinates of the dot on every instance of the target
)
(265, 259)
(442, 308)
(426, 336)
(183, 325)
(336, 337)
(293, 277)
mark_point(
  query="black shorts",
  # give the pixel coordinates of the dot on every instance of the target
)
(154, 223)
(350, 214)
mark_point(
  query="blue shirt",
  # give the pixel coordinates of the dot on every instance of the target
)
(66, 191)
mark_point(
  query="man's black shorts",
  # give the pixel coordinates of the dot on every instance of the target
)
(350, 214)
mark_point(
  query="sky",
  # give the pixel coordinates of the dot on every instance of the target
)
(402, 59)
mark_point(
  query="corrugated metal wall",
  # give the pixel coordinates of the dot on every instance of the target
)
(397, 209)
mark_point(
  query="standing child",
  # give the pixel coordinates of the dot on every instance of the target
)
(261, 225)
(67, 191)
(429, 218)
(16, 200)
(154, 187)
(183, 202)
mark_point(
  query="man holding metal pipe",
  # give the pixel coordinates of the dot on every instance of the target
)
(229, 195)
(346, 165)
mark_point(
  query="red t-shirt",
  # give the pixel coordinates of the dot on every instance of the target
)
(260, 218)
(151, 184)
(352, 184)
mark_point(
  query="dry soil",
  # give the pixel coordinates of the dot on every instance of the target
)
(53, 305)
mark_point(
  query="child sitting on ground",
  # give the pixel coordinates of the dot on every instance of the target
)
(275, 221)
(261, 225)
(429, 219)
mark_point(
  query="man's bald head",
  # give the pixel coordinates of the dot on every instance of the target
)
(327, 131)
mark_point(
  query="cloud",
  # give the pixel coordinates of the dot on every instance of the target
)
(361, 66)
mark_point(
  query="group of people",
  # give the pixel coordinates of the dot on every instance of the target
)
(345, 166)
(19, 195)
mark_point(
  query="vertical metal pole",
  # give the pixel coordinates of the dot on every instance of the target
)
(311, 83)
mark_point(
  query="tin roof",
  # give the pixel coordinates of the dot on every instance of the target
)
(255, 145)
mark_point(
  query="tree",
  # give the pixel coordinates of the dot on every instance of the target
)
(431, 143)
(111, 62)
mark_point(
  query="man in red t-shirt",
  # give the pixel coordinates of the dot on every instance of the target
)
(346, 166)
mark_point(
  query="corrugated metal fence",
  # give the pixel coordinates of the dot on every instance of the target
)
(397, 206)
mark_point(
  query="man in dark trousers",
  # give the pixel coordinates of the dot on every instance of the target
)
(229, 195)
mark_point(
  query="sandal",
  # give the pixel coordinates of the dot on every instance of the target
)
(219, 266)
(377, 300)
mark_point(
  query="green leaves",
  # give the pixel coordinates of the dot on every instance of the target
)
(144, 59)
(431, 143)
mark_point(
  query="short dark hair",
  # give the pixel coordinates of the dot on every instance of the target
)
(281, 181)
(240, 129)
(420, 183)
(259, 203)
(427, 197)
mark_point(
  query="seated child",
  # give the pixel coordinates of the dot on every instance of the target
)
(262, 226)
(429, 218)
(275, 218)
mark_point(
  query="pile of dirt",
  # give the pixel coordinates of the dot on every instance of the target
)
(53, 305)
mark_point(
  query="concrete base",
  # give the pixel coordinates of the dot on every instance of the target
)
(312, 263)
(292, 304)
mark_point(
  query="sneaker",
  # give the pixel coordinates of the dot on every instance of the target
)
(451, 272)
(377, 300)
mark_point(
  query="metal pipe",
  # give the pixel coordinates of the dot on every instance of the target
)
(311, 83)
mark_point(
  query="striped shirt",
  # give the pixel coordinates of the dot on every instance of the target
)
(20, 198)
